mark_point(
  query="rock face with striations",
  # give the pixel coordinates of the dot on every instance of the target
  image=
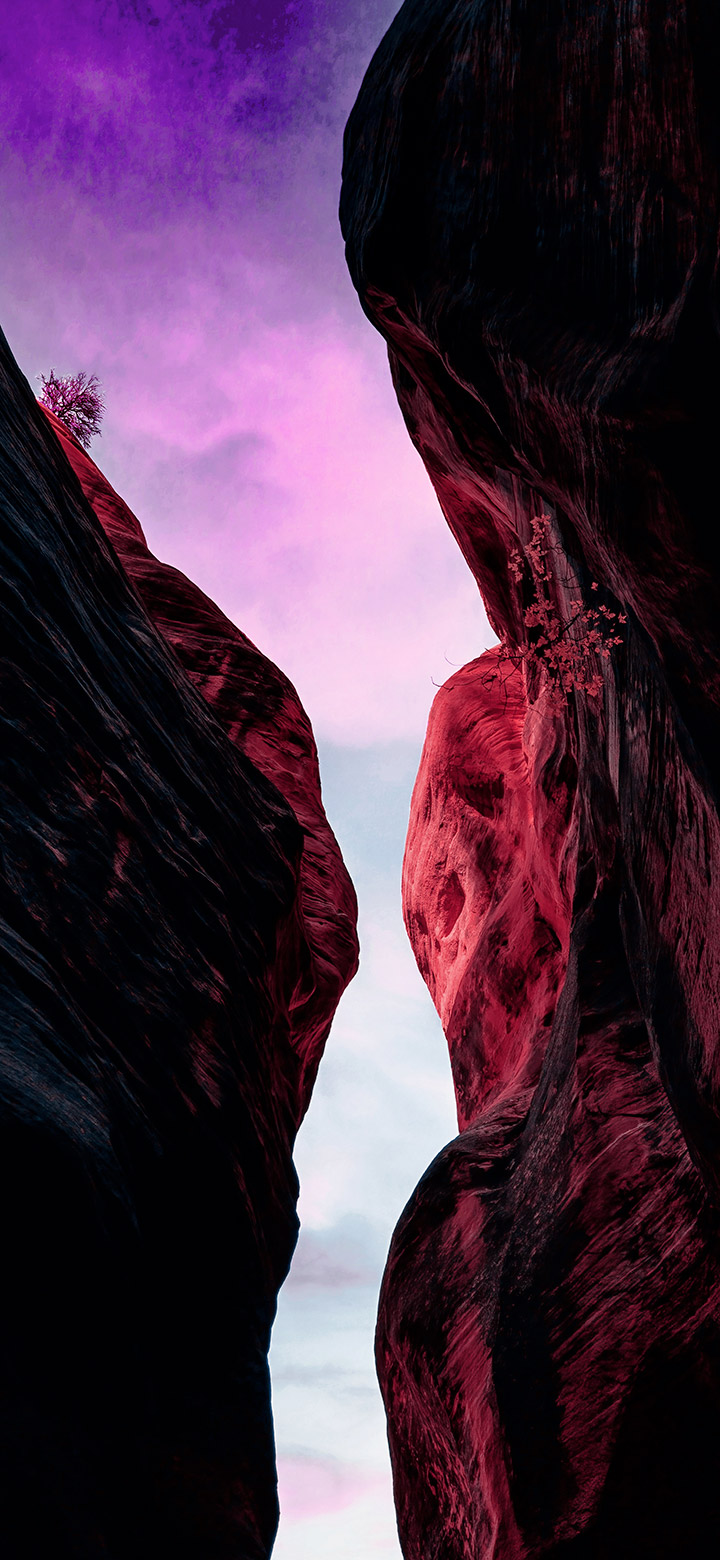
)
(531, 207)
(260, 711)
(176, 927)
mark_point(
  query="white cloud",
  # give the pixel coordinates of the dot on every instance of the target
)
(382, 1108)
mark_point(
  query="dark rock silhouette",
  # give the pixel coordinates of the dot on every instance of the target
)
(531, 211)
(173, 942)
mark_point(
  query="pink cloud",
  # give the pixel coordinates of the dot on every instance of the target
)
(318, 1486)
(251, 422)
(274, 460)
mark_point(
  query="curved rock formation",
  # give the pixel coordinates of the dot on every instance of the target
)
(486, 908)
(531, 211)
(173, 943)
(262, 714)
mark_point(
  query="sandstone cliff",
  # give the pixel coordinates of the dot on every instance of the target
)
(176, 926)
(259, 709)
(531, 211)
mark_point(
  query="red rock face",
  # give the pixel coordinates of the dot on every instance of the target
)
(487, 907)
(531, 211)
(262, 714)
(172, 944)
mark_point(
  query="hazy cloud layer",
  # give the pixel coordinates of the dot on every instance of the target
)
(383, 1108)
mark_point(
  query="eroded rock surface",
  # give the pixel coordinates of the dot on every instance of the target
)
(167, 986)
(531, 212)
(262, 714)
(487, 911)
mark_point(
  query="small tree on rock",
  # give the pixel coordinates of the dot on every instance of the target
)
(570, 649)
(77, 401)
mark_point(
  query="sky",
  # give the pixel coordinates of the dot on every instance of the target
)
(169, 177)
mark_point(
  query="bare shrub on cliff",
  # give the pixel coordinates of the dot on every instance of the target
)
(77, 401)
(567, 649)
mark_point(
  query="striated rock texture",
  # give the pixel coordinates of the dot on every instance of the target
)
(173, 942)
(487, 913)
(262, 714)
(531, 210)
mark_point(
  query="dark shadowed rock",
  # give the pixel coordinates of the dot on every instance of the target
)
(530, 205)
(165, 995)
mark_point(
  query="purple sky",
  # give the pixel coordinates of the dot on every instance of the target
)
(170, 177)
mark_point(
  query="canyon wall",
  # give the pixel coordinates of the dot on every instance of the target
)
(259, 709)
(531, 213)
(176, 927)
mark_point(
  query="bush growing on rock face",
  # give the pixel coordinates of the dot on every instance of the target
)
(77, 401)
(567, 648)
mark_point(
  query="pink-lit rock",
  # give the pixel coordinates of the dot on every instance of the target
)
(530, 206)
(485, 893)
(262, 714)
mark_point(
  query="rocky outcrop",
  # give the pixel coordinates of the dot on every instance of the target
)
(531, 211)
(487, 909)
(166, 989)
(258, 707)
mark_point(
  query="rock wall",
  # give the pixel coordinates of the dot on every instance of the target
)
(259, 709)
(175, 928)
(530, 206)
